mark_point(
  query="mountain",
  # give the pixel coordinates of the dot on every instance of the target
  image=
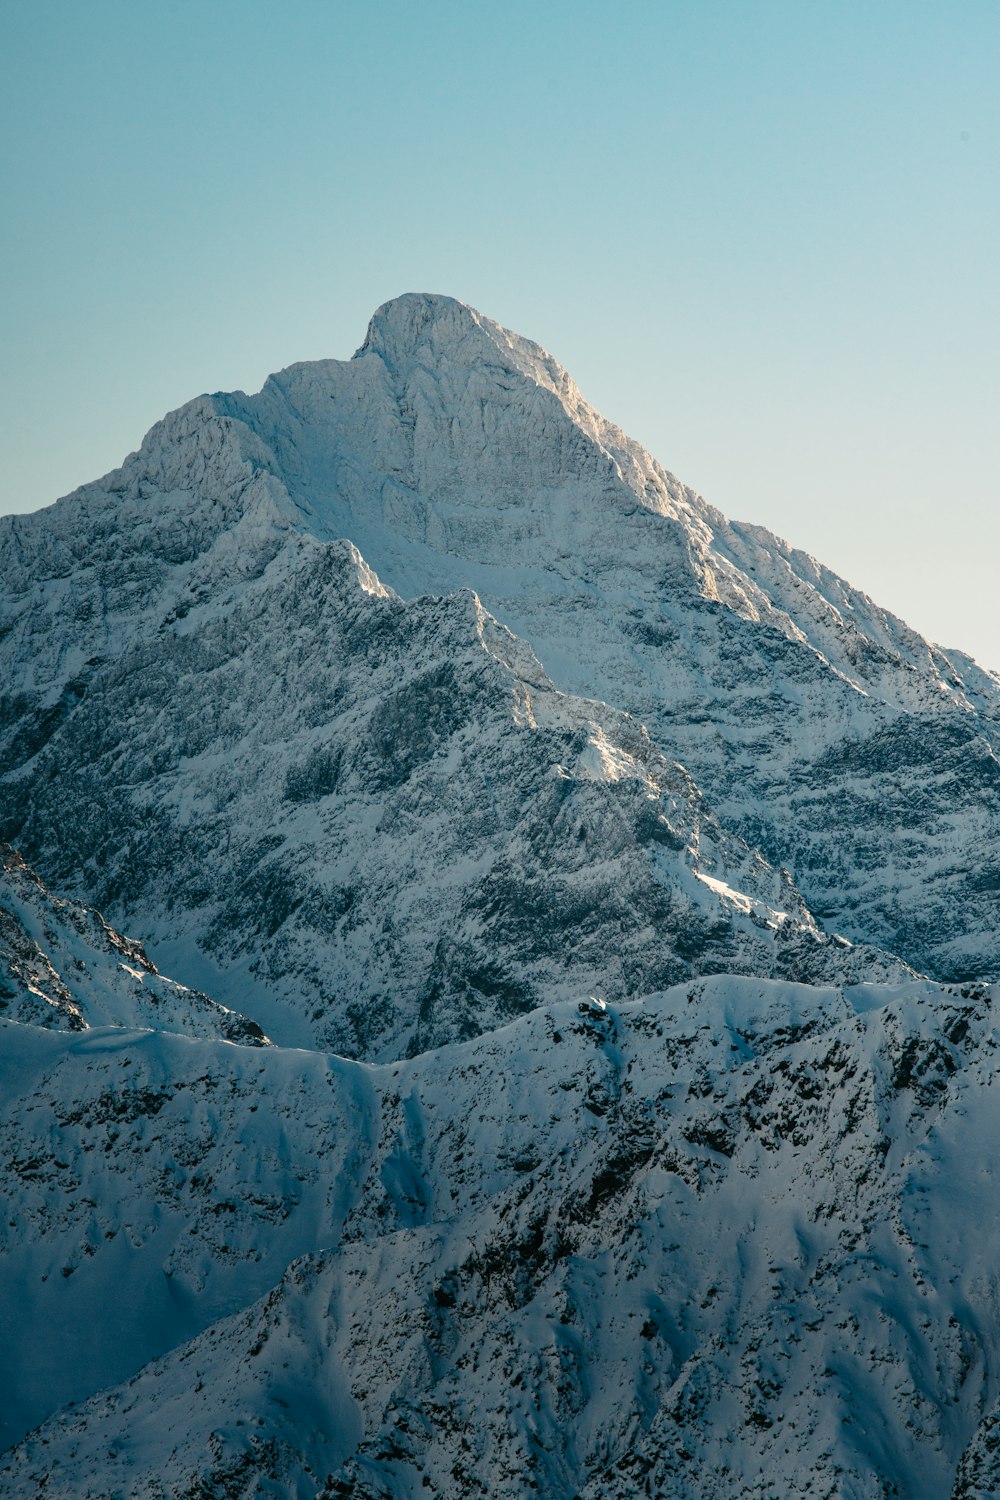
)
(822, 732)
(726, 1241)
(549, 1099)
(819, 727)
(373, 824)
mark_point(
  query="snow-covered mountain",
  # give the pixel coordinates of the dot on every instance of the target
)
(456, 455)
(381, 814)
(731, 1240)
(401, 708)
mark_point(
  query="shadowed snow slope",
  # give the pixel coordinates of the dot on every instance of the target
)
(457, 455)
(723, 1242)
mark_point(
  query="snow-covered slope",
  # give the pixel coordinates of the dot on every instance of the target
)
(727, 1241)
(62, 966)
(385, 816)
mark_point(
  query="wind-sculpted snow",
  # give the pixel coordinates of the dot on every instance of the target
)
(728, 1241)
(62, 966)
(153, 1183)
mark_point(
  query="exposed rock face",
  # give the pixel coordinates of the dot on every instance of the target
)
(725, 1241)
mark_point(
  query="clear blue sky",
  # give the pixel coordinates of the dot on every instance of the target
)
(764, 237)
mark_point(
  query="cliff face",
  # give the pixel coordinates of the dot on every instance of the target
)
(386, 814)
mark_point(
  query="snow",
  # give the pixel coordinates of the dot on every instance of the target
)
(408, 709)
(742, 902)
(737, 1237)
(61, 965)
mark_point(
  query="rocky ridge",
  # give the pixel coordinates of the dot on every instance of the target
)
(383, 817)
(725, 1241)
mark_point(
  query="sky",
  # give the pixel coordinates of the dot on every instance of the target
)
(762, 235)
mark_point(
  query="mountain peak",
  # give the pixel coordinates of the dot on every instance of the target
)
(408, 323)
(434, 330)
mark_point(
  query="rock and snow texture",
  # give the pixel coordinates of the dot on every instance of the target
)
(456, 455)
(727, 1241)
(385, 816)
(399, 707)
(63, 967)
